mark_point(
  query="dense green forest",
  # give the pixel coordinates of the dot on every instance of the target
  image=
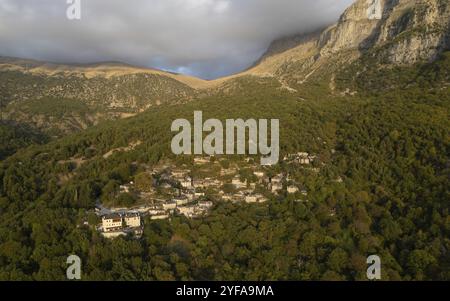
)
(389, 143)
(15, 136)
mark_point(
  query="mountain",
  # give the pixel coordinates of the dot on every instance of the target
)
(60, 99)
(368, 98)
(89, 71)
(395, 32)
(401, 31)
(65, 98)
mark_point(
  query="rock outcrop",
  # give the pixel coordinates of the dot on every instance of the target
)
(416, 30)
(355, 27)
(405, 31)
(395, 31)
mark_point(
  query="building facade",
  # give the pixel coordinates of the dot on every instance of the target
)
(133, 220)
(112, 222)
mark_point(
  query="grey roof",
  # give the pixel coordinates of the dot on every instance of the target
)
(112, 216)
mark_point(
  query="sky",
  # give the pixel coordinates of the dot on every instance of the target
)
(203, 38)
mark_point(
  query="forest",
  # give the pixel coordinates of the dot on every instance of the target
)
(389, 143)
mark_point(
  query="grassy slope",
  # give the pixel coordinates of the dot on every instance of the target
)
(60, 104)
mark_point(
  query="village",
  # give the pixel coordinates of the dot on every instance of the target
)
(191, 191)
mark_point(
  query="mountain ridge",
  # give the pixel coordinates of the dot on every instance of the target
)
(389, 32)
(90, 70)
(364, 25)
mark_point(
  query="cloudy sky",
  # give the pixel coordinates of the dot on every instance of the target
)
(205, 38)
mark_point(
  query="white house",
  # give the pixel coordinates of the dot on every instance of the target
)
(277, 179)
(188, 211)
(211, 183)
(238, 183)
(170, 205)
(262, 199)
(199, 194)
(238, 197)
(179, 173)
(205, 204)
(227, 172)
(292, 189)
(124, 188)
(259, 174)
(112, 222)
(305, 161)
(199, 183)
(227, 197)
(159, 217)
(186, 183)
(133, 220)
(181, 200)
(255, 198)
(276, 187)
(202, 160)
(156, 212)
(251, 199)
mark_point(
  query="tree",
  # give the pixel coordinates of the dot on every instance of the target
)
(126, 199)
(144, 182)
(337, 260)
(419, 262)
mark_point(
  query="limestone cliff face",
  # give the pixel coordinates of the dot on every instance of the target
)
(406, 31)
(394, 32)
(355, 27)
(416, 30)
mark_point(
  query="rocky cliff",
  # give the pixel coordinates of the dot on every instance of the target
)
(355, 26)
(407, 31)
(415, 30)
(394, 31)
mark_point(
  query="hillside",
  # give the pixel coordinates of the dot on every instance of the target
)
(60, 99)
(16, 136)
(394, 32)
(389, 150)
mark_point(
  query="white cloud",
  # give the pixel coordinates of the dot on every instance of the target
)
(217, 6)
(221, 6)
(207, 38)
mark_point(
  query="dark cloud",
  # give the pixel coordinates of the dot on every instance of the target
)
(206, 38)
